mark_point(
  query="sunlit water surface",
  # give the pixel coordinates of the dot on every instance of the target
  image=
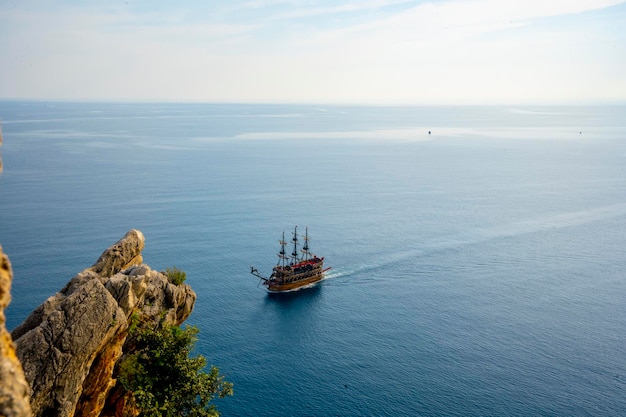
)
(478, 269)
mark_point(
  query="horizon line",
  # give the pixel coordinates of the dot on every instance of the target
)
(361, 103)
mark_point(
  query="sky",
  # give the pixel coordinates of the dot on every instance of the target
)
(315, 51)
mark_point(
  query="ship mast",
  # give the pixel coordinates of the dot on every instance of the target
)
(282, 255)
(294, 254)
(305, 249)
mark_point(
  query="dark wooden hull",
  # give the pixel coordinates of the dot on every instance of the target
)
(275, 286)
(282, 281)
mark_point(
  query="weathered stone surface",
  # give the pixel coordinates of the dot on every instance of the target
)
(126, 252)
(14, 390)
(70, 344)
(57, 355)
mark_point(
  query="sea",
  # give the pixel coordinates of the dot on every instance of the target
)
(478, 254)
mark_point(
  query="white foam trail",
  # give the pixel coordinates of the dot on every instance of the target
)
(350, 271)
(557, 221)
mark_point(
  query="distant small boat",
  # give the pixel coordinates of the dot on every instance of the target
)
(293, 271)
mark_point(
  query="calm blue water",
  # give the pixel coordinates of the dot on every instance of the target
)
(477, 271)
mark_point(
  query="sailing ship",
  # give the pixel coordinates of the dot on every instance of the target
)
(293, 271)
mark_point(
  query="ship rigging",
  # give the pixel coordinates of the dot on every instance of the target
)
(293, 271)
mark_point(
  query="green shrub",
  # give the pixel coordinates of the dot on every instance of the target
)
(164, 380)
(175, 275)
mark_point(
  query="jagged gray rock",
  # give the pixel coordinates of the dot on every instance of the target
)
(70, 344)
(127, 251)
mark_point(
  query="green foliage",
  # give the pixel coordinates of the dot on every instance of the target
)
(165, 381)
(175, 275)
(134, 322)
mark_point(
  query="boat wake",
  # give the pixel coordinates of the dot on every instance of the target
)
(341, 273)
(473, 237)
(337, 274)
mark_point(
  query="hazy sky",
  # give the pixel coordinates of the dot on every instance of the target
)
(365, 51)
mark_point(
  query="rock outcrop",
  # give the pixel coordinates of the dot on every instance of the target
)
(14, 399)
(70, 344)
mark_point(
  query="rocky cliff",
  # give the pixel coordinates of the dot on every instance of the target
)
(70, 344)
(14, 399)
